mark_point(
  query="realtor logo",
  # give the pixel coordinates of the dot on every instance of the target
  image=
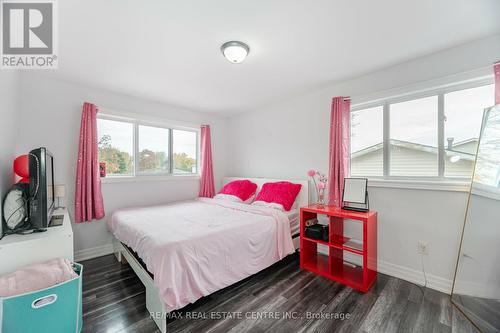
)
(28, 34)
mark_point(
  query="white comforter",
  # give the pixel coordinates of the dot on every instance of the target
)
(195, 248)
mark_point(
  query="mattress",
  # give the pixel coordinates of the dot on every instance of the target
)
(294, 218)
(195, 248)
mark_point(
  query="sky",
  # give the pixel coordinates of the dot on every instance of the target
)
(416, 120)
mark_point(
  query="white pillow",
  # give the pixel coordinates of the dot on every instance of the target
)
(234, 198)
(273, 205)
(227, 197)
(251, 199)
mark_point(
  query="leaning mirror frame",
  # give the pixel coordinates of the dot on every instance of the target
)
(477, 322)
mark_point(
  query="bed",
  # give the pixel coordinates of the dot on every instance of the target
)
(187, 250)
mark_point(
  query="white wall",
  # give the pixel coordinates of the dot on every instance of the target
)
(9, 82)
(50, 113)
(287, 139)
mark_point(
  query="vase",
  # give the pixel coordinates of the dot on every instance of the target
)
(321, 197)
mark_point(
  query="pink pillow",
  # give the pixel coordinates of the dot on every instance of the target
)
(283, 193)
(242, 189)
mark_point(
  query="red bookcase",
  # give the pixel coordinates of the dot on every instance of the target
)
(333, 265)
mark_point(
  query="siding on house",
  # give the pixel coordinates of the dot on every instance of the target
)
(469, 147)
(411, 161)
(461, 169)
(371, 164)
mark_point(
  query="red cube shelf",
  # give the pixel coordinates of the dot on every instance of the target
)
(332, 265)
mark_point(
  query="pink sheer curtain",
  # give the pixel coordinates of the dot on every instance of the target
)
(339, 149)
(207, 188)
(496, 69)
(88, 196)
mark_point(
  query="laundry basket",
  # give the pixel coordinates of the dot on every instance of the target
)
(57, 309)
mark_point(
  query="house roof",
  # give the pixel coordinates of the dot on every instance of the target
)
(464, 142)
(419, 147)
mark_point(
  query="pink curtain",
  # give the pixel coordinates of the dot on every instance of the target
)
(496, 69)
(207, 188)
(339, 149)
(88, 197)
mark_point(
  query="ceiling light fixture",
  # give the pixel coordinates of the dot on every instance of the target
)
(235, 51)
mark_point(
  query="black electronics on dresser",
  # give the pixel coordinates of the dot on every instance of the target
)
(41, 188)
(317, 231)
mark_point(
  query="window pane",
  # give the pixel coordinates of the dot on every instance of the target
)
(116, 146)
(184, 151)
(153, 149)
(464, 113)
(413, 131)
(367, 127)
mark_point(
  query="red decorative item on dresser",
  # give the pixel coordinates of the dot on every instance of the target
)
(332, 265)
(21, 168)
(102, 169)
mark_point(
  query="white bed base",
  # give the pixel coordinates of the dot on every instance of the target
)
(154, 303)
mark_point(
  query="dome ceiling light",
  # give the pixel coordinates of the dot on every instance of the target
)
(235, 51)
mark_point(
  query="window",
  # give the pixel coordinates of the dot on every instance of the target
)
(116, 146)
(184, 151)
(431, 137)
(131, 148)
(367, 142)
(153, 150)
(463, 112)
(414, 138)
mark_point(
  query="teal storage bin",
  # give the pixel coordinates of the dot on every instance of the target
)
(57, 309)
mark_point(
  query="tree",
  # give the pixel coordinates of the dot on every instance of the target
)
(104, 141)
(147, 160)
(117, 161)
(183, 162)
(120, 162)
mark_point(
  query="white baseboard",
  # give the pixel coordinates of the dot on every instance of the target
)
(404, 273)
(415, 276)
(94, 252)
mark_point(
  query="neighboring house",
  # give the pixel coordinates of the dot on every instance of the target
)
(466, 146)
(413, 159)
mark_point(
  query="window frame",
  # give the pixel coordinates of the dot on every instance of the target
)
(440, 182)
(136, 121)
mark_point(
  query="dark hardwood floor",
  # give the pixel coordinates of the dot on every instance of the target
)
(114, 301)
(484, 312)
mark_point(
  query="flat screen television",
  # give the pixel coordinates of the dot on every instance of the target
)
(41, 188)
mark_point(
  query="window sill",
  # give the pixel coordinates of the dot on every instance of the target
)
(133, 179)
(432, 185)
(486, 192)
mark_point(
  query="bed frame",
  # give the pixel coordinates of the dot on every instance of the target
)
(154, 303)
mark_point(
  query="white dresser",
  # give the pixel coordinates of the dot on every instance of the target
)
(20, 250)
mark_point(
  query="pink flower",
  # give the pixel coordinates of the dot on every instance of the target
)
(311, 173)
(321, 186)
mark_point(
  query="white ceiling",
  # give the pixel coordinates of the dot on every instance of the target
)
(169, 50)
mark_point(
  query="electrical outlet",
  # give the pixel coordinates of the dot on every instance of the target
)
(422, 248)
